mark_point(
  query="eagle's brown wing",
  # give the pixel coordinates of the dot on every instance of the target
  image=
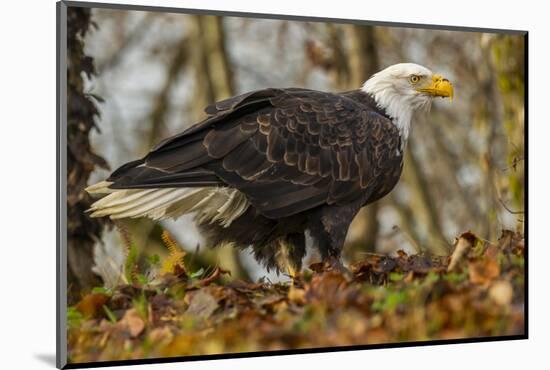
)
(288, 150)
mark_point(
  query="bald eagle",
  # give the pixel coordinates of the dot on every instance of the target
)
(267, 166)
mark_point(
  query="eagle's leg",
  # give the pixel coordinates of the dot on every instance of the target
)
(289, 252)
(337, 265)
(329, 227)
(296, 244)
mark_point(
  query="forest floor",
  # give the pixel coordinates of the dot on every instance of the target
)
(478, 291)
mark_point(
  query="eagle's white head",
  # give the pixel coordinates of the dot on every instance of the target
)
(403, 88)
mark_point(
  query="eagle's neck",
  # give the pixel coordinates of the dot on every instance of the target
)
(393, 104)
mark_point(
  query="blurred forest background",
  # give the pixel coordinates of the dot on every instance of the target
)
(155, 72)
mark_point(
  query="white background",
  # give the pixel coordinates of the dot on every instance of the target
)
(27, 180)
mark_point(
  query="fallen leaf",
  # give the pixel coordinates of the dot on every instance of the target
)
(417, 263)
(402, 254)
(385, 264)
(482, 272)
(492, 251)
(409, 278)
(202, 304)
(214, 275)
(501, 292)
(464, 243)
(317, 267)
(132, 322)
(162, 334)
(297, 295)
(91, 304)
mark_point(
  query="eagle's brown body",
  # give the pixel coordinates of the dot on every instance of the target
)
(304, 159)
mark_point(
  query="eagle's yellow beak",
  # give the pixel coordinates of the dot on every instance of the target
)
(439, 86)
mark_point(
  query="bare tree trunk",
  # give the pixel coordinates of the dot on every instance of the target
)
(340, 68)
(146, 232)
(490, 117)
(472, 209)
(203, 91)
(213, 82)
(437, 241)
(508, 57)
(160, 108)
(363, 54)
(363, 63)
(407, 224)
(83, 231)
(217, 60)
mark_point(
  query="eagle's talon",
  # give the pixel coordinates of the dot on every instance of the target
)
(337, 265)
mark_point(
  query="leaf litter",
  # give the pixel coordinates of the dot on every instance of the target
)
(477, 291)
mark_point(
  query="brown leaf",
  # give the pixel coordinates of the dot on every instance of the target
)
(297, 295)
(317, 267)
(409, 278)
(385, 265)
(202, 304)
(269, 301)
(511, 241)
(91, 304)
(491, 251)
(213, 276)
(417, 263)
(162, 334)
(401, 253)
(484, 271)
(132, 322)
(327, 287)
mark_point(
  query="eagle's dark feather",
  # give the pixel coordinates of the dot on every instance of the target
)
(304, 159)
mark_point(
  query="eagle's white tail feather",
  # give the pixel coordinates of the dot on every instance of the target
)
(106, 208)
(101, 187)
(237, 203)
(210, 204)
(188, 204)
(122, 201)
(156, 207)
(120, 197)
(215, 203)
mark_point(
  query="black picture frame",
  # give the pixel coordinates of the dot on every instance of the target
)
(61, 174)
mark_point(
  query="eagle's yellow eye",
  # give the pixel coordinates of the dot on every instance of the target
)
(414, 79)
